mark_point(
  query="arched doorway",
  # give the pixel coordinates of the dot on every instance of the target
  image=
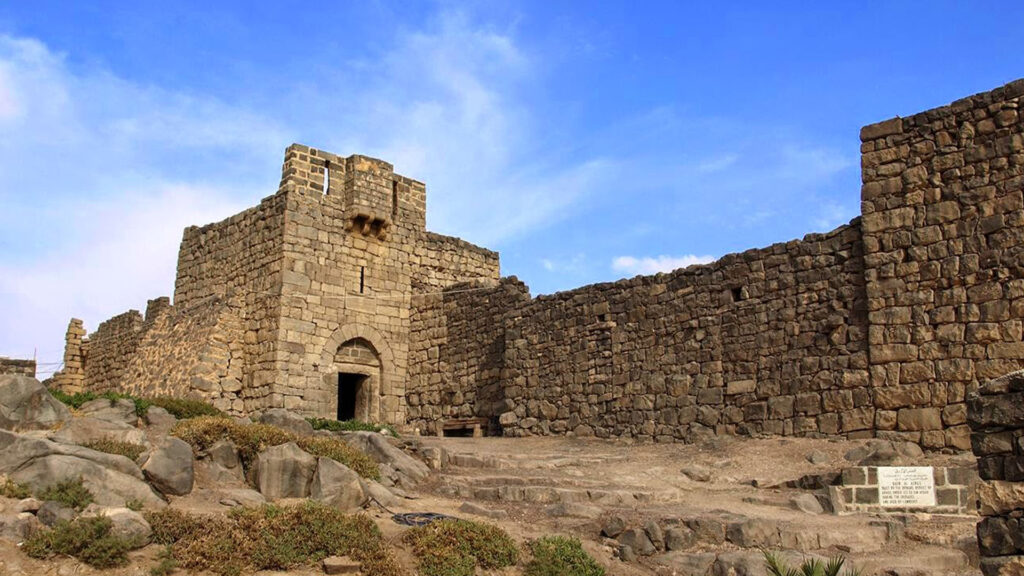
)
(356, 376)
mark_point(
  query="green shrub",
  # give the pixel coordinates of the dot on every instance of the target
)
(185, 408)
(251, 439)
(180, 408)
(809, 567)
(166, 564)
(273, 538)
(561, 556)
(11, 489)
(71, 493)
(135, 505)
(129, 450)
(350, 426)
(88, 539)
(454, 547)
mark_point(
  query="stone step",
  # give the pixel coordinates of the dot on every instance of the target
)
(540, 494)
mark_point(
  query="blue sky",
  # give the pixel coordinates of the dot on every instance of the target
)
(585, 141)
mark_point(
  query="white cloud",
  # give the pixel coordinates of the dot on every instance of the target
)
(95, 198)
(653, 265)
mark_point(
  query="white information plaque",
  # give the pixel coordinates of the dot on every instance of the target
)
(906, 486)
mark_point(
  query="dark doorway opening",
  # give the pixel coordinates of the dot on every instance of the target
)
(350, 387)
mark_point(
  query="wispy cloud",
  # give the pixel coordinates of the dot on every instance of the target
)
(655, 264)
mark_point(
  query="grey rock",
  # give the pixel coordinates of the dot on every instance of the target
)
(808, 503)
(241, 497)
(379, 493)
(169, 468)
(127, 524)
(626, 553)
(159, 420)
(112, 479)
(84, 429)
(52, 512)
(224, 453)
(679, 538)
(28, 505)
(637, 539)
(686, 564)
(613, 526)
(287, 420)
(707, 530)
(572, 510)
(739, 564)
(284, 471)
(25, 404)
(655, 534)
(696, 473)
(117, 411)
(408, 471)
(338, 486)
(477, 510)
(18, 527)
(754, 533)
(341, 565)
(817, 457)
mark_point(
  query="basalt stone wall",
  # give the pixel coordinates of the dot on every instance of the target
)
(767, 341)
(109, 349)
(19, 367)
(943, 236)
(996, 417)
(458, 347)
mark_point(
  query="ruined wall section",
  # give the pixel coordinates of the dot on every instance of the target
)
(457, 352)
(239, 261)
(109, 349)
(943, 222)
(765, 341)
(16, 366)
(442, 261)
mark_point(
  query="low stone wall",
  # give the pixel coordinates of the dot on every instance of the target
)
(859, 491)
(15, 366)
(996, 417)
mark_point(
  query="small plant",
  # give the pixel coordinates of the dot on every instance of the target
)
(11, 489)
(809, 567)
(166, 564)
(251, 439)
(561, 556)
(129, 450)
(271, 538)
(452, 547)
(350, 426)
(88, 539)
(184, 408)
(135, 505)
(70, 493)
(73, 400)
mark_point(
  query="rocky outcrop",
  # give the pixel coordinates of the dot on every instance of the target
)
(397, 467)
(112, 479)
(285, 471)
(25, 404)
(118, 411)
(168, 466)
(287, 420)
(336, 485)
(85, 429)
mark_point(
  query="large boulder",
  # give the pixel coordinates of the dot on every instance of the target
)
(25, 404)
(18, 527)
(405, 470)
(118, 411)
(336, 485)
(168, 466)
(112, 479)
(286, 420)
(85, 429)
(285, 471)
(159, 420)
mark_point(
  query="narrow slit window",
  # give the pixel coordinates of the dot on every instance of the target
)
(362, 278)
(394, 198)
(327, 176)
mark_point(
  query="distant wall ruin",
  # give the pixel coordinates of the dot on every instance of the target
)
(16, 366)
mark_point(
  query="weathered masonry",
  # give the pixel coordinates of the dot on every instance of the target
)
(331, 299)
(16, 366)
(302, 302)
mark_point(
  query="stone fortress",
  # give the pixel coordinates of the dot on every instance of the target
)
(331, 299)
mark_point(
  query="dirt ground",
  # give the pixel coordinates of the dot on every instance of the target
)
(637, 482)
